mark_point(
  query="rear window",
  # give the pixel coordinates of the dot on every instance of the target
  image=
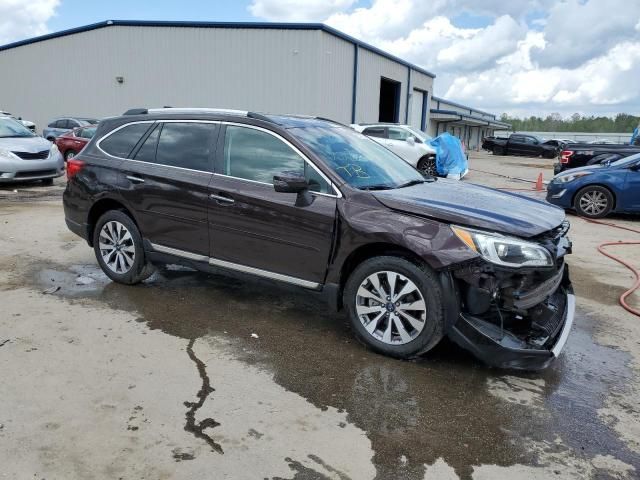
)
(374, 132)
(121, 142)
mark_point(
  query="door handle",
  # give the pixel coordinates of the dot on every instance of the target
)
(220, 198)
(133, 179)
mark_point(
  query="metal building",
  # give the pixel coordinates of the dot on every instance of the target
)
(469, 124)
(106, 68)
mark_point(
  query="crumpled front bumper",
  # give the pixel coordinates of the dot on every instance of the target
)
(500, 348)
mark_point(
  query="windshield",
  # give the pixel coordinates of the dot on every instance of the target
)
(360, 161)
(624, 161)
(420, 135)
(10, 128)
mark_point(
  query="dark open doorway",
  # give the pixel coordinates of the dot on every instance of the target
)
(389, 100)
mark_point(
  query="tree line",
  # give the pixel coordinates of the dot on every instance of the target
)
(621, 123)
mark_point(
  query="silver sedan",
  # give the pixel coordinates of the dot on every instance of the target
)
(25, 156)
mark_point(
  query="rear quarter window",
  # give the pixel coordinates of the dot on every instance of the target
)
(121, 142)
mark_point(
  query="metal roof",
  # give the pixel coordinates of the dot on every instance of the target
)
(252, 25)
(466, 107)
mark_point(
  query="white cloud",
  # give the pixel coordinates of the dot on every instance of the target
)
(297, 10)
(22, 19)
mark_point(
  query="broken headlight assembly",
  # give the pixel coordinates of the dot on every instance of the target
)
(504, 251)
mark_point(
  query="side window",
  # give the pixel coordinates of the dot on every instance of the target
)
(72, 124)
(78, 132)
(186, 145)
(147, 152)
(120, 143)
(53, 124)
(517, 138)
(61, 124)
(374, 132)
(398, 134)
(255, 155)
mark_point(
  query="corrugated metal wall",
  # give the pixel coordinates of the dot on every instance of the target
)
(268, 70)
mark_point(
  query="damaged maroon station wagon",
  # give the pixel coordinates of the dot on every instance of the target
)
(312, 203)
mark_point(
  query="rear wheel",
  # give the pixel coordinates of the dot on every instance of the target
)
(395, 306)
(69, 154)
(593, 201)
(427, 165)
(498, 150)
(51, 139)
(118, 247)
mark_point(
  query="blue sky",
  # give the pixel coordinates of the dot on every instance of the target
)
(521, 57)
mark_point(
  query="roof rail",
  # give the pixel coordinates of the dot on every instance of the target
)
(136, 111)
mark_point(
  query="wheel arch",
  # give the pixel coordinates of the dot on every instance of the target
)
(99, 208)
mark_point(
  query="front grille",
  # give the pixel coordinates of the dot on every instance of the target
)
(548, 318)
(32, 156)
(35, 173)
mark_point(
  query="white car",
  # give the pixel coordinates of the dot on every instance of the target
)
(30, 125)
(405, 141)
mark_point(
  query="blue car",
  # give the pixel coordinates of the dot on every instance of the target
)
(597, 190)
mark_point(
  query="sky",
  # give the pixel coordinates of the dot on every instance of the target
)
(521, 57)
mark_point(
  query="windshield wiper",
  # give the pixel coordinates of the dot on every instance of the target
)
(411, 183)
(376, 187)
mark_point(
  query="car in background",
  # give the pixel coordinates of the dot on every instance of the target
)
(64, 124)
(408, 143)
(30, 125)
(602, 141)
(71, 143)
(585, 154)
(598, 190)
(559, 142)
(25, 155)
(520, 144)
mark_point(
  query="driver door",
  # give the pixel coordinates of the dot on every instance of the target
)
(631, 193)
(255, 229)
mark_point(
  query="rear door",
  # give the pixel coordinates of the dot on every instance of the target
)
(630, 200)
(254, 228)
(515, 145)
(165, 180)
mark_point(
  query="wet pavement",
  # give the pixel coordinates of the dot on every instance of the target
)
(192, 375)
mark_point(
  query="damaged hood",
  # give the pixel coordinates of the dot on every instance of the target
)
(475, 206)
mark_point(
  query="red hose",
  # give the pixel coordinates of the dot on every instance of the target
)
(636, 284)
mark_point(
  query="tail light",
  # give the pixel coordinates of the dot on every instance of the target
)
(74, 166)
(565, 155)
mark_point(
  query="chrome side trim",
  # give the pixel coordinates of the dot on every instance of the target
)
(236, 266)
(571, 310)
(263, 273)
(179, 253)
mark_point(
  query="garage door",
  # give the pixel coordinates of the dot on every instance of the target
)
(416, 109)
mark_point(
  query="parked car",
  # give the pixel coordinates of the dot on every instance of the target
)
(598, 190)
(585, 154)
(313, 203)
(408, 143)
(520, 144)
(558, 142)
(71, 143)
(26, 156)
(30, 125)
(62, 125)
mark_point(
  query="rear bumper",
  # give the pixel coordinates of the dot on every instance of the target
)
(500, 348)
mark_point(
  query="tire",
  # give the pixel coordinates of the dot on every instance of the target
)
(498, 151)
(548, 154)
(69, 154)
(128, 263)
(427, 165)
(51, 139)
(593, 201)
(47, 182)
(427, 326)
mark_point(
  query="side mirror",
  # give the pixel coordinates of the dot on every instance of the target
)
(411, 141)
(635, 168)
(294, 182)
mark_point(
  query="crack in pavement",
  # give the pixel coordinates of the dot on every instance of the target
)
(191, 426)
(4, 342)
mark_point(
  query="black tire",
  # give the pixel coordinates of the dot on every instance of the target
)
(141, 268)
(51, 139)
(47, 182)
(69, 154)
(498, 150)
(429, 288)
(584, 200)
(427, 165)
(549, 154)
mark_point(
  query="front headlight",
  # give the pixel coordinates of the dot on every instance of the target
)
(570, 177)
(504, 251)
(7, 155)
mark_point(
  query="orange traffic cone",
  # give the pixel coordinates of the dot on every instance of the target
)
(539, 184)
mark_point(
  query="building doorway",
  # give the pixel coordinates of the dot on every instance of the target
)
(389, 100)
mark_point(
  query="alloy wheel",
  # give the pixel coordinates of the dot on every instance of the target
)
(428, 167)
(593, 202)
(391, 307)
(116, 247)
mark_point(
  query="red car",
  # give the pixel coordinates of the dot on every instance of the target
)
(72, 142)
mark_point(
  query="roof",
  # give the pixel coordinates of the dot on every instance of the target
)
(475, 118)
(466, 107)
(250, 25)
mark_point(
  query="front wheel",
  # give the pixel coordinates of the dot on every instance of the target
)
(395, 306)
(593, 201)
(498, 151)
(427, 165)
(69, 154)
(118, 247)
